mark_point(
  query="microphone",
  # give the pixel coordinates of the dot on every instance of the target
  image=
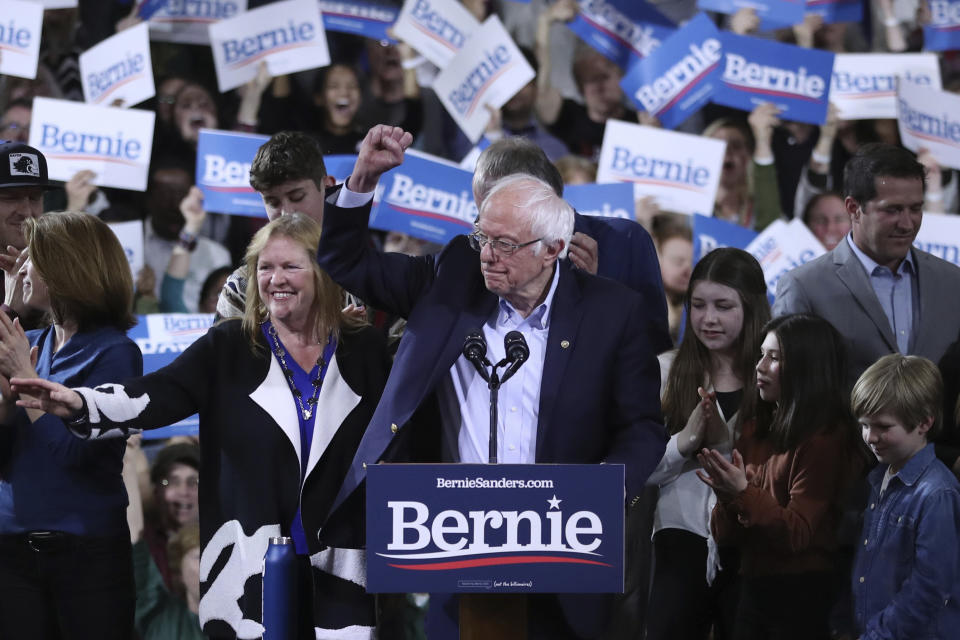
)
(515, 346)
(475, 350)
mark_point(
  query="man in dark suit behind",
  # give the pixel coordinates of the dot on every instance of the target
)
(589, 392)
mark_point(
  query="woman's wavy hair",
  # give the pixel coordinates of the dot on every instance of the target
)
(85, 269)
(741, 272)
(326, 314)
(813, 369)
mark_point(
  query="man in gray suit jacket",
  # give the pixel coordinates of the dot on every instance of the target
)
(882, 294)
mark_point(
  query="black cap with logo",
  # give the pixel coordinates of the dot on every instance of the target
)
(22, 166)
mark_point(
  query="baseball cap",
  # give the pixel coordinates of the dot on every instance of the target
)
(22, 166)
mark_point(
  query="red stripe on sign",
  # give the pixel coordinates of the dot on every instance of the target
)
(487, 562)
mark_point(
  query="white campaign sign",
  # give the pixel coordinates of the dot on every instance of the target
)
(930, 119)
(56, 4)
(435, 28)
(288, 35)
(119, 68)
(681, 171)
(113, 143)
(187, 21)
(489, 70)
(784, 246)
(130, 235)
(940, 235)
(864, 85)
(20, 28)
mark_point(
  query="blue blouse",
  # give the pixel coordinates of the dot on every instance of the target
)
(51, 480)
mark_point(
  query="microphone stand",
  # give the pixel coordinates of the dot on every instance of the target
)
(493, 384)
(474, 350)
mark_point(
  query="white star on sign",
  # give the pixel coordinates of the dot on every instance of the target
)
(554, 502)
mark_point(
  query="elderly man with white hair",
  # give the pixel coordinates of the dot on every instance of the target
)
(589, 392)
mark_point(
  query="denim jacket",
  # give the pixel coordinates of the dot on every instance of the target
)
(906, 579)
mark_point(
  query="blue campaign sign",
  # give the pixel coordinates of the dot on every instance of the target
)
(613, 200)
(622, 30)
(339, 166)
(712, 233)
(161, 338)
(837, 10)
(150, 7)
(425, 197)
(782, 12)
(795, 79)
(365, 19)
(680, 76)
(223, 172)
(943, 31)
(476, 528)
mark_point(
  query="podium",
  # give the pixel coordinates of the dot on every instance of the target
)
(494, 533)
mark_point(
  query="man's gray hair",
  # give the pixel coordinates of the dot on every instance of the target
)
(550, 217)
(512, 156)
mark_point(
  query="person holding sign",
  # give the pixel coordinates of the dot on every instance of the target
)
(883, 295)
(65, 563)
(587, 393)
(284, 396)
(748, 193)
(779, 496)
(708, 397)
(579, 126)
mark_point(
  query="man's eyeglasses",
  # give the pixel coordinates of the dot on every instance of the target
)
(503, 248)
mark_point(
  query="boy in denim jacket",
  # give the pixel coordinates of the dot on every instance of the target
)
(906, 579)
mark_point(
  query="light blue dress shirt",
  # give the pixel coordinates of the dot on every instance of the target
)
(465, 399)
(894, 291)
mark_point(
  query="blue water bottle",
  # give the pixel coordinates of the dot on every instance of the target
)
(279, 590)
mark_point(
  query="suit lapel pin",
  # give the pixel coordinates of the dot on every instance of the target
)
(564, 344)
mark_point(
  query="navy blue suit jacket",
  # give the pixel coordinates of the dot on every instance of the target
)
(626, 254)
(599, 396)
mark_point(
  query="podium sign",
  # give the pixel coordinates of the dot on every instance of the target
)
(475, 528)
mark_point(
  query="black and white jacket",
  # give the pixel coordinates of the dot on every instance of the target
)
(250, 475)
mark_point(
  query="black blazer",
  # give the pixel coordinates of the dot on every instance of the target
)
(250, 473)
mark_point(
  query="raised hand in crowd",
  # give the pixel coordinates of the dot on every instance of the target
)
(549, 99)
(763, 119)
(805, 30)
(252, 96)
(146, 283)
(381, 150)
(933, 195)
(193, 214)
(896, 42)
(745, 21)
(822, 152)
(11, 262)
(80, 188)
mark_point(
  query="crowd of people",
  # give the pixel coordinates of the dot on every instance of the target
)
(790, 468)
